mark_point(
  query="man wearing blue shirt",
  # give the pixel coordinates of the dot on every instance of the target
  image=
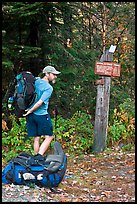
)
(37, 116)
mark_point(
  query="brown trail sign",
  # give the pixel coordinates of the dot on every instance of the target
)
(106, 69)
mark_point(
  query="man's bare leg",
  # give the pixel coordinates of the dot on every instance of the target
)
(45, 144)
(36, 144)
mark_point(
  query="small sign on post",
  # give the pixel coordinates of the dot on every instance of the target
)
(112, 48)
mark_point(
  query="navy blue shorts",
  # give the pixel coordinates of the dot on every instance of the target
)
(38, 125)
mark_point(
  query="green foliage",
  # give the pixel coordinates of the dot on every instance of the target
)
(34, 34)
(128, 105)
(122, 124)
(128, 147)
(26, 51)
(8, 65)
(13, 140)
(117, 130)
(75, 133)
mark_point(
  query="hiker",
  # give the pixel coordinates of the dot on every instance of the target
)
(37, 116)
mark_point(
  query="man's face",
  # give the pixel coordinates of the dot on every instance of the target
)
(52, 77)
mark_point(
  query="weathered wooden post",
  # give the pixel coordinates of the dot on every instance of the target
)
(105, 68)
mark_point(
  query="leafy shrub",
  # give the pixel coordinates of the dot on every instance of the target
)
(75, 133)
(122, 124)
(13, 140)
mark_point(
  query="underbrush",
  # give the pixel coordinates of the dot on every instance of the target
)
(75, 134)
(121, 129)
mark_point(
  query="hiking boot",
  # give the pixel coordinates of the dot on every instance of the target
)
(38, 157)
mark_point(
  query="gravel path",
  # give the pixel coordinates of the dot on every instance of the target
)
(20, 193)
(105, 178)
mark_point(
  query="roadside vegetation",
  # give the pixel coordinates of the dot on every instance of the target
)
(75, 133)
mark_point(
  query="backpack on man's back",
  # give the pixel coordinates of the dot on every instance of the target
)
(24, 95)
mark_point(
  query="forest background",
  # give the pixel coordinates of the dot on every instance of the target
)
(69, 36)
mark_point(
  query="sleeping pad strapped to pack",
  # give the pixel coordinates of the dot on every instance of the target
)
(25, 169)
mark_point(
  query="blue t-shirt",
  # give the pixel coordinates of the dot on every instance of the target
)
(44, 91)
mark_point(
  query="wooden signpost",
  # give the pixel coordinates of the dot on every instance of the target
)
(106, 69)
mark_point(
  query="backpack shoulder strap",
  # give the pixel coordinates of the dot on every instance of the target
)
(54, 158)
(55, 161)
(21, 161)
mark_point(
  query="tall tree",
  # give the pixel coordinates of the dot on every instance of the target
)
(34, 33)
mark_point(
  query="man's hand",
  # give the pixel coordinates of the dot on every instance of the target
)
(27, 112)
(35, 107)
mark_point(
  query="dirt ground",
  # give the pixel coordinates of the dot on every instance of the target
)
(105, 177)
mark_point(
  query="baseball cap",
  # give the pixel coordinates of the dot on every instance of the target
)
(50, 69)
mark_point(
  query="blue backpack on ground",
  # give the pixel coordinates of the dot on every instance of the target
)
(25, 169)
(24, 94)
